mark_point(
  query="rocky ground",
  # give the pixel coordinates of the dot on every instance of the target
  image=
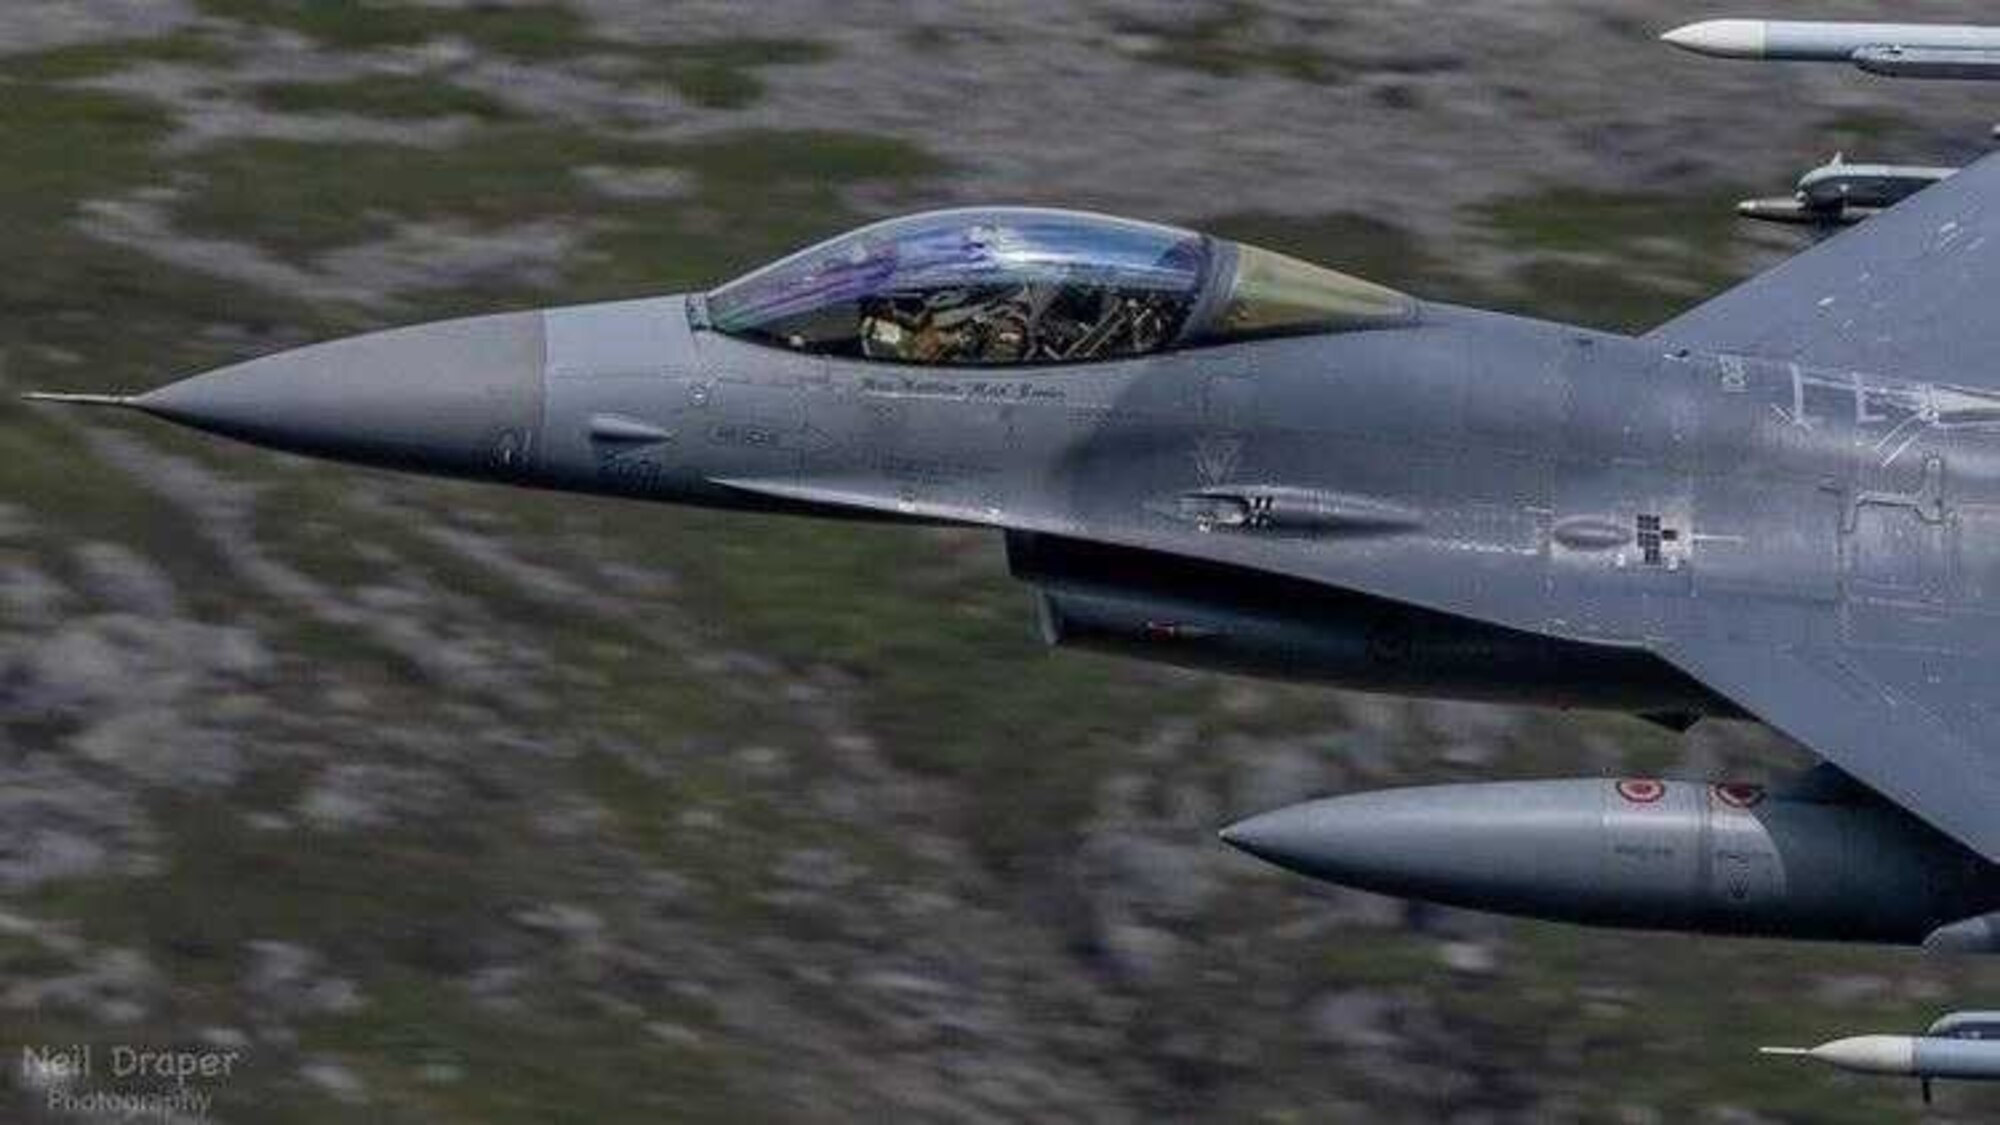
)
(442, 803)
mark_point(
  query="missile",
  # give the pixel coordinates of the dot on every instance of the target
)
(1900, 50)
(1792, 211)
(1839, 193)
(1963, 1046)
(1841, 184)
(1905, 1056)
(1640, 853)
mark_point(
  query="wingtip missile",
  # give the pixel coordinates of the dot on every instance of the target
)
(1896, 50)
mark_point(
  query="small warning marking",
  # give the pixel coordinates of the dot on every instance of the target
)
(1642, 790)
(1738, 795)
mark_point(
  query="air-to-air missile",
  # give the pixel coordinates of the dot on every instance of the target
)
(1818, 860)
(1839, 193)
(1963, 1046)
(1895, 50)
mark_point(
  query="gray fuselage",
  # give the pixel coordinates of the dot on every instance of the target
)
(1538, 502)
(1513, 473)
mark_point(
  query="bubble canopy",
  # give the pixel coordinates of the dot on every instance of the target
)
(1001, 286)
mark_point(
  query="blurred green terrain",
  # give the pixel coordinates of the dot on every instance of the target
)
(454, 804)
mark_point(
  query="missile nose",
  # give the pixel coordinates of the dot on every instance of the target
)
(460, 397)
(1866, 1054)
(1728, 39)
(1870, 1054)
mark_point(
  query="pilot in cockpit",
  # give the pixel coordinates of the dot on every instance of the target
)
(1023, 286)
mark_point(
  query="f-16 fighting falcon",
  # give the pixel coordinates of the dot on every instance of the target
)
(1782, 506)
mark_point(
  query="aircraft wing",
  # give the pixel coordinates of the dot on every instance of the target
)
(1910, 292)
(1914, 726)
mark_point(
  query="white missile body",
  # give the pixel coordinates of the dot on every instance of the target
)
(1903, 50)
(1961, 1046)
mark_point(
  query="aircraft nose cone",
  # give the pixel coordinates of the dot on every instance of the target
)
(461, 397)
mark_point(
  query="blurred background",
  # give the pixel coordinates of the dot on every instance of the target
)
(442, 803)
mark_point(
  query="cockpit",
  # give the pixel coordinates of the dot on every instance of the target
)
(1008, 286)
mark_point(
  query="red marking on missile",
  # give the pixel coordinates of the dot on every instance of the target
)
(1738, 795)
(1641, 790)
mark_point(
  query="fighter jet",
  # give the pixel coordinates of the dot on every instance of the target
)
(1781, 506)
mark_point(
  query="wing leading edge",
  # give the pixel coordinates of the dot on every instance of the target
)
(1909, 293)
